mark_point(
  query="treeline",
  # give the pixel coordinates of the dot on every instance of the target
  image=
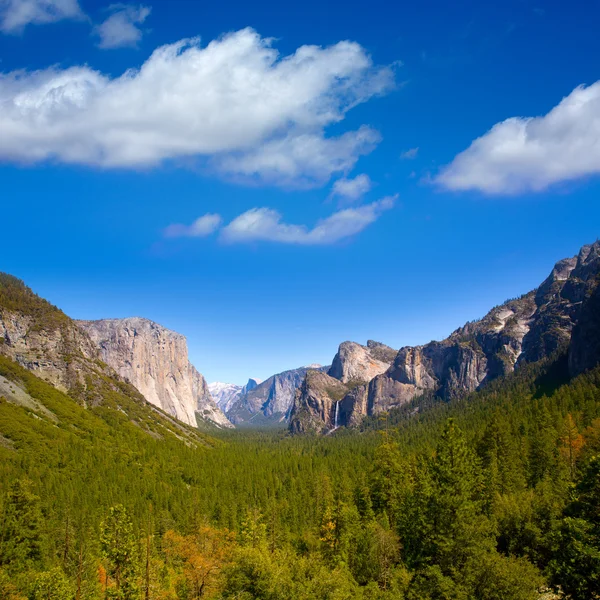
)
(493, 497)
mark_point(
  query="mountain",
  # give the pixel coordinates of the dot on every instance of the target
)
(357, 363)
(224, 394)
(561, 312)
(317, 405)
(67, 373)
(155, 360)
(269, 402)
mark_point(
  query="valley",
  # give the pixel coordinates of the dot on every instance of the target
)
(464, 468)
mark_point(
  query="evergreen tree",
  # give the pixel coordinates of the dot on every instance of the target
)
(118, 544)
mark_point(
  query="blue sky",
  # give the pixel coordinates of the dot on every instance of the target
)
(271, 179)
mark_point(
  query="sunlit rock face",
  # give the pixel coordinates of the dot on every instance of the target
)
(155, 360)
(564, 311)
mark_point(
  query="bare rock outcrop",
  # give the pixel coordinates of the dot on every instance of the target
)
(155, 361)
(357, 363)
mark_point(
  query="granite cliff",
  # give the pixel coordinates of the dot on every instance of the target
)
(563, 312)
(41, 338)
(155, 360)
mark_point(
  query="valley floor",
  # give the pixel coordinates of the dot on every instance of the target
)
(492, 497)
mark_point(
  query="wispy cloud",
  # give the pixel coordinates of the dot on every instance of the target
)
(531, 154)
(236, 102)
(410, 154)
(265, 224)
(201, 227)
(15, 15)
(121, 29)
(351, 189)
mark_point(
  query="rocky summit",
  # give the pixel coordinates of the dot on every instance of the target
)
(561, 313)
(155, 360)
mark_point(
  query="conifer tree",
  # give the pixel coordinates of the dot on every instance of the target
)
(119, 548)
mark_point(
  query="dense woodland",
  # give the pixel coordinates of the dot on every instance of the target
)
(496, 496)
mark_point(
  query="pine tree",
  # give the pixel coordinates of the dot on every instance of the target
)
(120, 552)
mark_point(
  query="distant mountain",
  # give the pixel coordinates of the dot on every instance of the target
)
(269, 402)
(155, 360)
(224, 394)
(562, 312)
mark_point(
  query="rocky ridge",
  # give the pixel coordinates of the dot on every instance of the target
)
(561, 312)
(269, 402)
(155, 361)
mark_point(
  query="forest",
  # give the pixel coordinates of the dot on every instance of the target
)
(495, 496)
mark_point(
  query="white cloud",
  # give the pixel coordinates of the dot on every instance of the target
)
(201, 227)
(410, 154)
(302, 158)
(16, 14)
(121, 28)
(351, 189)
(531, 154)
(265, 224)
(236, 101)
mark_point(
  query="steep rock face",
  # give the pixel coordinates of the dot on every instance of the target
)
(316, 402)
(271, 400)
(52, 354)
(44, 340)
(354, 366)
(252, 384)
(584, 348)
(354, 362)
(155, 361)
(527, 329)
(565, 308)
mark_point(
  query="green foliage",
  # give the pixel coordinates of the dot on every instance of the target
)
(118, 546)
(20, 527)
(51, 585)
(16, 297)
(487, 498)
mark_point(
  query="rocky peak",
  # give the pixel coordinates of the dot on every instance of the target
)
(155, 361)
(356, 363)
(41, 338)
(251, 385)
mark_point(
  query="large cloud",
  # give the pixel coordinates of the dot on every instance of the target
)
(265, 224)
(16, 14)
(531, 154)
(253, 112)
